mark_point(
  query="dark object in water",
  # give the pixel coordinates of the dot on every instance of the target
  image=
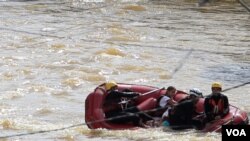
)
(203, 2)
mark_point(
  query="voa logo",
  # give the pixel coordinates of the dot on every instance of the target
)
(236, 132)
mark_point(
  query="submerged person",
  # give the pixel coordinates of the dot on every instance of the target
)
(127, 111)
(216, 104)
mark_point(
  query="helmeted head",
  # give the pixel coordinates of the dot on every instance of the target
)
(195, 92)
(216, 87)
(171, 91)
(110, 85)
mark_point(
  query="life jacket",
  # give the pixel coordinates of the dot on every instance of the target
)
(218, 107)
(112, 104)
(109, 105)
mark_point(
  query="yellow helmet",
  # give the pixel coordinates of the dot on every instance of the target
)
(110, 84)
(216, 85)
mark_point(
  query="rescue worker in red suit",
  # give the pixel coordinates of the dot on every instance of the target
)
(216, 104)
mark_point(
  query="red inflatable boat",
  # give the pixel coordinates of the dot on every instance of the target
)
(95, 108)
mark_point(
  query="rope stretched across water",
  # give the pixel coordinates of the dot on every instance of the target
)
(181, 62)
(81, 124)
(78, 125)
(107, 119)
(237, 86)
(244, 4)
